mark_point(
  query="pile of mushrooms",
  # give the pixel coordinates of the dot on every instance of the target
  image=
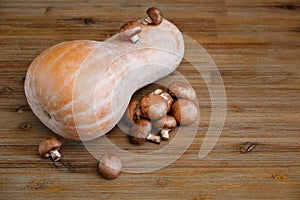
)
(162, 111)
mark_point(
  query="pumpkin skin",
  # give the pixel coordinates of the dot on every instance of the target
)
(80, 89)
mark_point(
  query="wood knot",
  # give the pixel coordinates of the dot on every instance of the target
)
(26, 126)
(288, 7)
(278, 176)
(21, 79)
(89, 21)
(6, 90)
(238, 108)
(64, 165)
(247, 147)
(160, 181)
(37, 184)
(23, 109)
(48, 9)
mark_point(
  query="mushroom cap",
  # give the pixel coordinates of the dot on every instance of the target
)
(49, 144)
(184, 111)
(139, 131)
(153, 106)
(167, 121)
(155, 15)
(132, 112)
(110, 166)
(166, 96)
(180, 89)
(130, 29)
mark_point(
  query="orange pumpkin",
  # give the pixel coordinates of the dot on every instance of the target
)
(80, 89)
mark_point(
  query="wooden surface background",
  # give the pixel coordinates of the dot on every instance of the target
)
(255, 44)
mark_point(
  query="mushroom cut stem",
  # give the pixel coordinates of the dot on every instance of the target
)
(146, 21)
(165, 125)
(154, 138)
(165, 133)
(55, 155)
(49, 148)
(130, 31)
(134, 38)
(141, 131)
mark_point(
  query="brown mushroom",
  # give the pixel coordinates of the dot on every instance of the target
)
(110, 166)
(155, 16)
(166, 96)
(180, 89)
(184, 111)
(130, 31)
(49, 147)
(165, 125)
(153, 106)
(141, 131)
(133, 112)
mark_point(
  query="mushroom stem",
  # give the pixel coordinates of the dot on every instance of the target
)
(138, 114)
(165, 133)
(134, 38)
(154, 138)
(147, 21)
(157, 91)
(55, 155)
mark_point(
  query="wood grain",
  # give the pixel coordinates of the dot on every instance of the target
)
(256, 46)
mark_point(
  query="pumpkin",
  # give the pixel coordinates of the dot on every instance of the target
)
(80, 89)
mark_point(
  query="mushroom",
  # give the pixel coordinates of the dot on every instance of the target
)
(166, 96)
(184, 111)
(155, 16)
(165, 125)
(130, 31)
(133, 112)
(180, 89)
(110, 166)
(141, 131)
(153, 106)
(49, 147)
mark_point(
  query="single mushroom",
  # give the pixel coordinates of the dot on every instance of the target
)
(49, 147)
(141, 131)
(155, 16)
(180, 89)
(165, 125)
(184, 111)
(166, 96)
(130, 31)
(110, 166)
(153, 106)
(133, 112)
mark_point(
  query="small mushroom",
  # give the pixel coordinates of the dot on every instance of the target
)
(180, 89)
(130, 31)
(166, 96)
(184, 111)
(165, 125)
(141, 131)
(133, 112)
(49, 147)
(153, 106)
(155, 16)
(110, 166)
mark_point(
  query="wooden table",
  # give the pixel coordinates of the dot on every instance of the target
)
(256, 46)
